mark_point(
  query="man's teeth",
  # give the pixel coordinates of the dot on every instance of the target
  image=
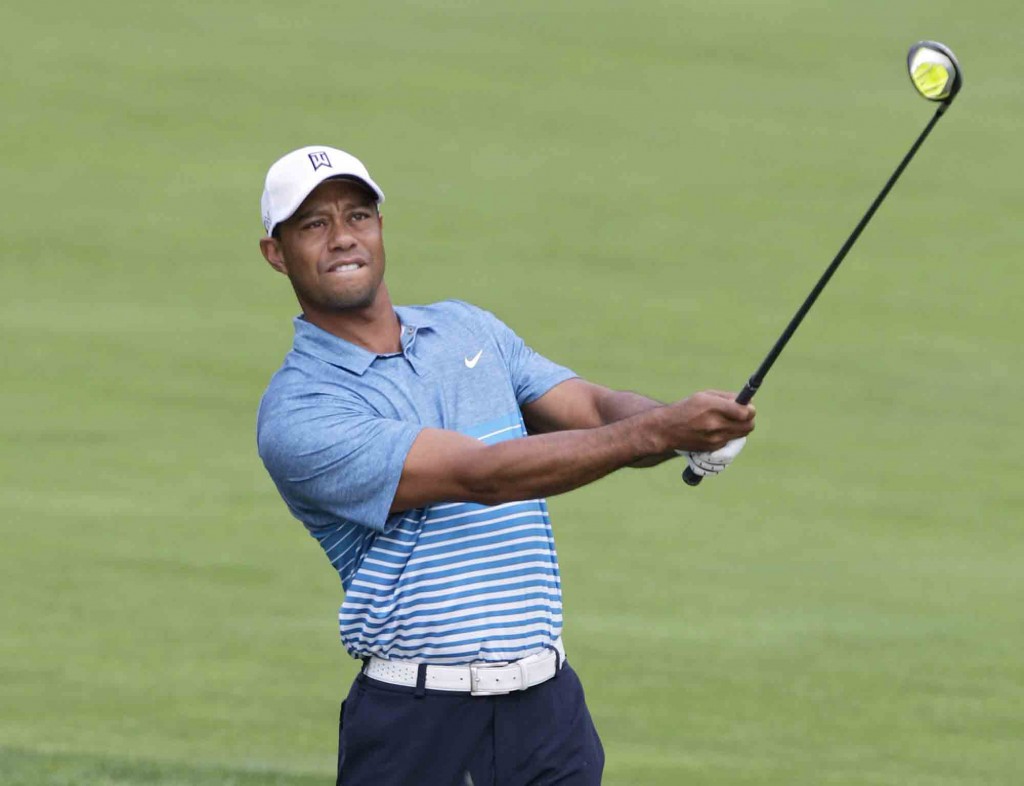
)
(346, 268)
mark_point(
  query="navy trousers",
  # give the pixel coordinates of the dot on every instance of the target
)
(391, 735)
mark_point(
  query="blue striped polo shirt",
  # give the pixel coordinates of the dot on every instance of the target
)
(448, 583)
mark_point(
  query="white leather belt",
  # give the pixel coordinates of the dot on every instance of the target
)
(478, 679)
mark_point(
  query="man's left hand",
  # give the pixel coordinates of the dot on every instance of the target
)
(715, 461)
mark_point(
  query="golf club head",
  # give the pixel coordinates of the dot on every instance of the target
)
(934, 71)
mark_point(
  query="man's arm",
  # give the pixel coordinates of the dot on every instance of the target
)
(448, 466)
(577, 403)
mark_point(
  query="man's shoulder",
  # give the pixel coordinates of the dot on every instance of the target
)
(301, 387)
(292, 374)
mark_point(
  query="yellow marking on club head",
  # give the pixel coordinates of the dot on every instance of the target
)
(931, 80)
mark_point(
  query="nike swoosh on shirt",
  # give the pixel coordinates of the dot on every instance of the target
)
(471, 362)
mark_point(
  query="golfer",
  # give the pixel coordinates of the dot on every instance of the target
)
(417, 445)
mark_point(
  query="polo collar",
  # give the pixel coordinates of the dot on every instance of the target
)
(311, 340)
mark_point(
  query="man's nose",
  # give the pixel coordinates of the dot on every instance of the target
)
(342, 236)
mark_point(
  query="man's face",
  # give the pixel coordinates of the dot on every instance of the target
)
(332, 248)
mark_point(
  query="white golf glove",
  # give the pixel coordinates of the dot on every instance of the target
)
(713, 462)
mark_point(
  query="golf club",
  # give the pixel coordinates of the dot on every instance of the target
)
(936, 75)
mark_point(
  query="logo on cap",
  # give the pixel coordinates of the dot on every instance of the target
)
(319, 159)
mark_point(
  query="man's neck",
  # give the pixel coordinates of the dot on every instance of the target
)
(375, 327)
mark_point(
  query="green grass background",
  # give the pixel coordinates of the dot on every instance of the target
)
(645, 191)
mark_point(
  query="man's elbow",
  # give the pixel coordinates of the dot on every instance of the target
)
(478, 480)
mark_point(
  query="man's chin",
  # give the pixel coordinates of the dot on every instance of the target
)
(347, 301)
(351, 301)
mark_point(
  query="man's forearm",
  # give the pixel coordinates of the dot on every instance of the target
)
(547, 464)
(616, 405)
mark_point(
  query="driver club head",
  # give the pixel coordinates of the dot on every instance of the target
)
(934, 71)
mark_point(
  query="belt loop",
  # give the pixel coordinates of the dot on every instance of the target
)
(558, 658)
(421, 681)
(366, 662)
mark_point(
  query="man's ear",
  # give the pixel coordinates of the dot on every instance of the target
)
(270, 247)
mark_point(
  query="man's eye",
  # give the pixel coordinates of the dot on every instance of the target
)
(361, 215)
(315, 224)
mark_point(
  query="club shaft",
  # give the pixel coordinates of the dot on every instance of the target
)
(754, 383)
(758, 376)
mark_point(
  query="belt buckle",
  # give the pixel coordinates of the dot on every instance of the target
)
(475, 669)
(476, 689)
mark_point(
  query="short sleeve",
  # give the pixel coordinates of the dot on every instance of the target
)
(331, 461)
(532, 374)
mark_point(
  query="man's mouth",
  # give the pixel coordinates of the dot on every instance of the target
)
(344, 267)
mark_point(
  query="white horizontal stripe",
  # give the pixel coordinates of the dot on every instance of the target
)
(412, 588)
(404, 581)
(429, 644)
(516, 427)
(478, 600)
(461, 637)
(397, 542)
(384, 564)
(507, 549)
(375, 551)
(394, 577)
(475, 511)
(449, 658)
(438, 621)
(430, 534)
(534, 581)
(447, 505)
(539, 526)
(407, 577)
(457, 633)
(382, 615)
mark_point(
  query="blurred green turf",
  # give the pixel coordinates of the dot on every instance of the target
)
(18, 768)
(646, 191)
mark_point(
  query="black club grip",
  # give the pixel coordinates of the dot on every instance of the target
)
(691, 478)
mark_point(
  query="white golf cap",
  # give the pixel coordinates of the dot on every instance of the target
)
(293, 177)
